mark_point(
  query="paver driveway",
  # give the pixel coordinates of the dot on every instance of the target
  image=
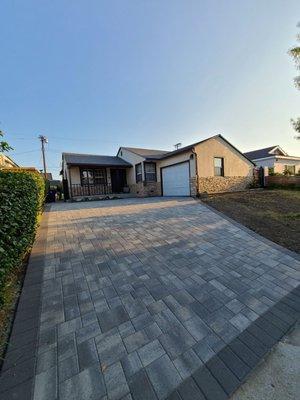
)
(137, 295)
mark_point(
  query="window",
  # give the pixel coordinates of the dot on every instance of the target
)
(289, 170)
(219, 166)
(99, 176)
(150, 172)
(87, 177)
(138, 173)
(93, 176)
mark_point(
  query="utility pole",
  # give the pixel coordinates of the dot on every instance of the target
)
(44, 140)
(177, 146)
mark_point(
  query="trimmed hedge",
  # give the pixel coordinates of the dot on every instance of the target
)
(21, 200)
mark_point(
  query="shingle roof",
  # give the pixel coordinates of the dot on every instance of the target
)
(147, 153)
(260, 153)
(92, 159)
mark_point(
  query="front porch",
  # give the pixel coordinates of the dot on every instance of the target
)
(96, 182)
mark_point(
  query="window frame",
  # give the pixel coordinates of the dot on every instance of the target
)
(104, 177)
(221, 168)
(288, 166)
(140, 175)
(90, 181)
(152, 173)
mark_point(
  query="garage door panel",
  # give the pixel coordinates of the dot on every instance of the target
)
(176, 180)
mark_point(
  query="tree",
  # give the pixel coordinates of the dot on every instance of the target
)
(295, 54)
(4, 146)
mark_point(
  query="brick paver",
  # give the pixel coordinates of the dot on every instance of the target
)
(146, 299)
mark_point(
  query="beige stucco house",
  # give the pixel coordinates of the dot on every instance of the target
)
(275, 159)
(208, 166)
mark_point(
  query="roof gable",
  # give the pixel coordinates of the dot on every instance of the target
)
(265, 152)
(145, 153)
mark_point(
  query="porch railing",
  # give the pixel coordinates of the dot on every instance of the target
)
(90, 190)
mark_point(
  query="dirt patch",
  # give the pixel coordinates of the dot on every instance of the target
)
(274, 214)
(12, 292)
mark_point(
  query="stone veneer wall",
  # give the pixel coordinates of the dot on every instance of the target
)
(219, 184)
(193, 186)
(146, 189)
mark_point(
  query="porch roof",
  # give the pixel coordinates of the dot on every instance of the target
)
(95, 160)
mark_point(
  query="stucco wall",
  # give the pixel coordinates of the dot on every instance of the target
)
(238, 171)
(132, 159)
(175, 160)
(234, 163)
(278, 164)
(74, 175)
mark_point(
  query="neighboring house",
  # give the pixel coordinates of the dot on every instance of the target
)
(7, 162)
(275, 159)
(30, 169)
(208, 166)
(48, 176)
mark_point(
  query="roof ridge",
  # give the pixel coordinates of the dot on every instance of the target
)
(89, 154)
(144, 148)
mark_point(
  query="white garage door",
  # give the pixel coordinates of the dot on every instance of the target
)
(176, 180)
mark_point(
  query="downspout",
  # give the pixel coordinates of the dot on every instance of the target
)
(196, 167)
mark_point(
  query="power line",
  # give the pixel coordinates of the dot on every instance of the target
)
(24, 152)
(66, 139)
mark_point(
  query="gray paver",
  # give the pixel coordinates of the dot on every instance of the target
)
(163, 376)
(67, 368)
(45, 387)
(141, 388)
(131, 364)
(135, 341)
(87, 354)
(150, 352)
(116, 383)
(110, 348)
(176, 341)
(187, 363)
(145, 290)
(87, 385)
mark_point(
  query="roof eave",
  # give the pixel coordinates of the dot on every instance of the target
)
(99, 165)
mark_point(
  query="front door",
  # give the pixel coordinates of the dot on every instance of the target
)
(118, 180)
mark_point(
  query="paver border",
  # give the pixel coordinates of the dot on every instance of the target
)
(226, 371)
(18, 368)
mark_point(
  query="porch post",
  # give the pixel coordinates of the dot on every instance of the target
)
(70, 180)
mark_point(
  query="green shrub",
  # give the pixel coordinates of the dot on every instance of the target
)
(21, 200)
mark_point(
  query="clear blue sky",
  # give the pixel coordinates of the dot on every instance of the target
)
(92, 75)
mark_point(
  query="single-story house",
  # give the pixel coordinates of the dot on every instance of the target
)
(208, 166)
(275, 159)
